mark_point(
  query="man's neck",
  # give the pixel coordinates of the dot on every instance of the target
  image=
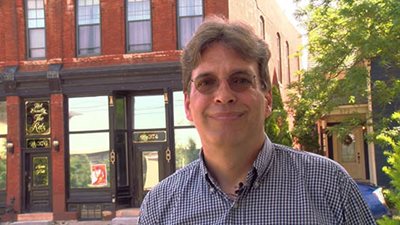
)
(229, 165)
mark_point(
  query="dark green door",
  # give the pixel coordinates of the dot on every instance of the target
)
(37, 182)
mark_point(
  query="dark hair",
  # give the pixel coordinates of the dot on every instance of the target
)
(236, 35)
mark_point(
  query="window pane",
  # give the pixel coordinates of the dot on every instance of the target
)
(179, 110)
(31, 4)
(3, 117)
(190, 7)
(138, 10)
(88, 14)
(140, 36)
(37, 53)
(149, 112)
(40, 171)
(150, 169)
(187, 27)
(89, 160)
(88, 113)
(36, 38)
(122, 158)
(89, 39)
(3, 163)
(187, 146)
(120, 112)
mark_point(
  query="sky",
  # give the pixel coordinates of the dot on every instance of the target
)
(288, 7)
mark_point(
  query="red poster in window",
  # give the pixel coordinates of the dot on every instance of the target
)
(98, 175)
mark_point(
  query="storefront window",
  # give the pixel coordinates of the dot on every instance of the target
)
(149, 112)
(3, 141)
(187, 140)
(89, 142)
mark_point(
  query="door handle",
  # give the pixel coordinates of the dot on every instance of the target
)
(29, 184)
(358, 157)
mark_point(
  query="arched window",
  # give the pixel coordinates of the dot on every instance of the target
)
(278, 42)
(262, 27)
(288, 61)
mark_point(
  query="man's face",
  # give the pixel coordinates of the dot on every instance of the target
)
(226, 102)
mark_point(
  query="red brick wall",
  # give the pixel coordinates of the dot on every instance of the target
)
(163, 14)
(14, 166)
(112, 16)
(57, 156)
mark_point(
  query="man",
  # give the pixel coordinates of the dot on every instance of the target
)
(241, 177)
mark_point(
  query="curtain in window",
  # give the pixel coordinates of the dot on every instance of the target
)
(89, 39)
(139, 36)
(187, 27)
(37, 42)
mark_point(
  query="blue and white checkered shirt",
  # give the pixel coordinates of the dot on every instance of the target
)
(284, 187)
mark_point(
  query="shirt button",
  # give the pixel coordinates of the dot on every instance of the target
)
(256, 184)
(235, 205)
(212, 190)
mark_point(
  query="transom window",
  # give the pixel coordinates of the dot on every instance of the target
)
(88, 27)
(36, 29)
(190, 16)
(138, 25)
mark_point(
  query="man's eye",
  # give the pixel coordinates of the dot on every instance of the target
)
(205, 82)
(241, 80)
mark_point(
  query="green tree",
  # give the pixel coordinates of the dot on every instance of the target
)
(276, 125)
(79, 171)
(343, 37)
(3, 169)
(390, 137)
(186, 154)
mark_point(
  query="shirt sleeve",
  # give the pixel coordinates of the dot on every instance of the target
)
(148, 213)
(356, 210)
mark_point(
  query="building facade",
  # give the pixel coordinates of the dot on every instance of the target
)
(91, 102)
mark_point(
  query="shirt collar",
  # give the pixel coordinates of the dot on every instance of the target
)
(260, 165)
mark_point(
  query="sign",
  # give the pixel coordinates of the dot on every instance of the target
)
(37, 117)
(37, 142)
(98, 175)
(150, 136)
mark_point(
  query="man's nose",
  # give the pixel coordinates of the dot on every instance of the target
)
(224, 94)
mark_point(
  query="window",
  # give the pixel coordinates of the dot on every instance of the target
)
(88, 27)
(278, 42)
(3, 141)
(190, 15)
(89, 142)
(138, 25)
(262, 28)
(36, 34)
(288, 61)
(187, 140)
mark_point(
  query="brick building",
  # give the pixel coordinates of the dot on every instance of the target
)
(91, 103)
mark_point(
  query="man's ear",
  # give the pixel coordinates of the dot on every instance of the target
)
(268, 103)
(187, 106)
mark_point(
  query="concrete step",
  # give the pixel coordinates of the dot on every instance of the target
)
(125, 221)
(35, 216)
(37, 222)
(126, 217)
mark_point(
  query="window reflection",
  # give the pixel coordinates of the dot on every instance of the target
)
(88, 113)
(150, 169)
(179, 110)
(3, 163)
(89, 142)
(3, 141)
(149, 112)
(89, 160)
(187, 146)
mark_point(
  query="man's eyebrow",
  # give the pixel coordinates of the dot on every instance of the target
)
(204, 74)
